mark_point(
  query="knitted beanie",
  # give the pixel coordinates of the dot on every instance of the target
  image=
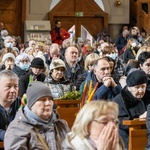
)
(35, 91)
(37, 63)
(136, 77)
(8, 55)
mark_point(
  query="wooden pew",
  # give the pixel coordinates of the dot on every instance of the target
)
(137, 134)
(1, 146)
(67, 110)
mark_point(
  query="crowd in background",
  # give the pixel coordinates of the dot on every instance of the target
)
(121, 69)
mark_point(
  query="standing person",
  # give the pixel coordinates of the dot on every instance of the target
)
(36, 125)
(9, 103)
(130, 101)
(58, 34)
(121, 40)
(95, 128)
(104, 35)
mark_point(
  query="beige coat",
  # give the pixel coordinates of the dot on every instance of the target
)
(76, 143)
(21, 134)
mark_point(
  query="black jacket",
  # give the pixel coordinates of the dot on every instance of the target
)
(148, 128)
(24, 81)
(19, 72)
(7, 117)
(129, 108)
(73, 74)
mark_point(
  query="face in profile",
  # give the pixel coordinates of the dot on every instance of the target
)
(146, 66)
(138, 91)
(43, 107)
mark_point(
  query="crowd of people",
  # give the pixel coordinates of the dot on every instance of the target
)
(46, 71)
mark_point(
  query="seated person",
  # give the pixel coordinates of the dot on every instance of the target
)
(56, 81)
(8, 61)
(148, 127)
(36, 125)
(22, 64)
(34, 74)
(144, 62)
(95, 128)
(9, 103)
(130, 101)
(107, 88)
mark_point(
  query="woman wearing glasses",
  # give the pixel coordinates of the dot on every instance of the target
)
(95, 128)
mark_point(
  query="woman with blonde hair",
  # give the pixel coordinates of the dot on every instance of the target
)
(95, 128)
(142, 49)
(88, 66)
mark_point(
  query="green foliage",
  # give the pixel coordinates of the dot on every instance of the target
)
(74, 95)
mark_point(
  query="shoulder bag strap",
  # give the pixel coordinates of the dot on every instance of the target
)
(42, 140)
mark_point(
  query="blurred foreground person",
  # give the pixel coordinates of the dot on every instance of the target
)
(95, 128)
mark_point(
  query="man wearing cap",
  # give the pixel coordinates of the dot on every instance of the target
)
(34, 74)
(56, 81)
(130, 101)
(36, 125)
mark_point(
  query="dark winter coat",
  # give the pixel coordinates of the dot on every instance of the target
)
(22, 133)
(73, 74)
(7, 116)
(18, 71)
(102, 91)
(24, 81)
(129, 108)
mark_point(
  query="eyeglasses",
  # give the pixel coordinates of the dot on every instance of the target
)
(106, 121)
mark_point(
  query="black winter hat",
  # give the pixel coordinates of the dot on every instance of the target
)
(36, 90)
(136, 77)
(37, 63)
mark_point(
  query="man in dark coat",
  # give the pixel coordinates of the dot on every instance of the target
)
(144, 62)
(73, 68)
(9, 103)
(107, 88)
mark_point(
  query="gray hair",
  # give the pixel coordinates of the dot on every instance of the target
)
(54, 47)
(20, 57)
(8, 74)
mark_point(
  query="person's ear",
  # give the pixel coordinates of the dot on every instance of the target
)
(129, 89)
(141, 66)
